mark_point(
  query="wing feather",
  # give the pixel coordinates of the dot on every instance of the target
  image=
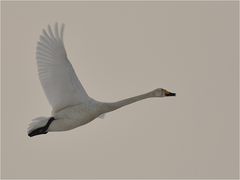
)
(61, 33)
(56, 74)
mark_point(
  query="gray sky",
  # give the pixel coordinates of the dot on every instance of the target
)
(120, 50)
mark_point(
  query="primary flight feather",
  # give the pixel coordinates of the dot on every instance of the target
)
(71, 105)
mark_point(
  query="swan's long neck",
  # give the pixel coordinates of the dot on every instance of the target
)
(116, 105)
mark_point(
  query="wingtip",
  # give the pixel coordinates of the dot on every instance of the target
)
(54, 31)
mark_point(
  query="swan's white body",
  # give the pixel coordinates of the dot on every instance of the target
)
(74, 116)
(72, 107)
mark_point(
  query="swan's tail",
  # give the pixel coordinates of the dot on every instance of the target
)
(37, 123)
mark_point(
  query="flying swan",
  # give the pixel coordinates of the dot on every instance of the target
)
(71, 105)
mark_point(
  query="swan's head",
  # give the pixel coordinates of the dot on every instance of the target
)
(162, 93)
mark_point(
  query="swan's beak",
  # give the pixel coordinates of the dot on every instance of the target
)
(170, 94)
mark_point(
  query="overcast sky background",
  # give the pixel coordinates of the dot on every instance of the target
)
(118, 50)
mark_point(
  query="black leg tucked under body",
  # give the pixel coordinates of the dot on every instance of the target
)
(171, 94)
(41, 130)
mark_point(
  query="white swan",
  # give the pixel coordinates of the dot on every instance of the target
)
(72, 107)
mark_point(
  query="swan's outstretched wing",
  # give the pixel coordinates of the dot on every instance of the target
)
(56, 73)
